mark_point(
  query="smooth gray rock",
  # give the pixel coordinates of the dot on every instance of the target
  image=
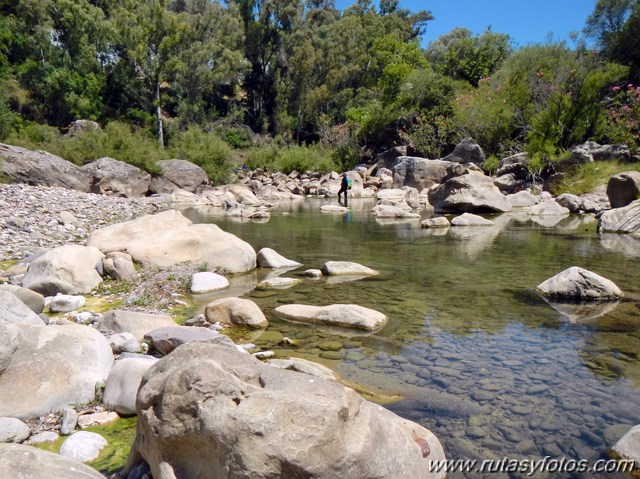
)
(268, 258)
(334, 209)
(69, 269)
(236, 415)
(44, 369)
(165, 340)
(419, 173)
(12, 310)
(132, 322)
(387, 158)
(117, 178)
(34, 301)
(579, 284)
(438, 222)
(467, 151)
(235, 312)
(178, 174)
(548, 208)
(69, 421)
(625, 220)
(27, 462)
(13, 430)
(119, 266)
(389, 211)
(313, 273)
(175, 240)
(623, 188)
(123, 382)
(206, 281)
(472, 192)
(124, 343)
(43, 437)
(278, 283)
(334, 268)
(469, 219)
(83, 446)
(522, 199)
(40, 168)
(628, 447)
(344, 315)
(63, 303)
(304, 366)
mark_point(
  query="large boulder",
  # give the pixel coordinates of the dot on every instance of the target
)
(343, 315)
(40, 168)
(623, 188)
(13, 430)
(472, 192)
(123, 383)
(12, 310)
(591, 151)
(387, 158)
(69, 269)
(579, 284)
(209, 411)
(117, 178)
(45, 369)
(175, 239)
(133, 322)
(236, 312)
(34, 301)
(624, 220)
(178, 174)
(419, 173)
(467, 151)
(26, 462)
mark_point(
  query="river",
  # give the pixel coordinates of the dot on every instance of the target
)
(475, 354)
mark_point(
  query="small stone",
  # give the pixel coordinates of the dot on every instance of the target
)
(206, 282)
(43, 437)
(13, 430)
(83, 446)
(63, 303)
(69, 421)
(97, 419)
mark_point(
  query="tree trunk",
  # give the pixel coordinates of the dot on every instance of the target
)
(159, 115)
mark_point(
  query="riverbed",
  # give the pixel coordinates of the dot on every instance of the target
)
(475, 354)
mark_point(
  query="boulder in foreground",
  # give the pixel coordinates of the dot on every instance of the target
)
(628, 447)
(579, 284)
(45, 369)
(225, 414)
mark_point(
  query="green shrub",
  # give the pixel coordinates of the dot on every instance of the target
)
(588, 176)
(206, 150)
(491, 164)
(261, 157)
(305, 158)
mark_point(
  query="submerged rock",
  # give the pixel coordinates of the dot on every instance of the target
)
(469, 219)
(268, 258)
(344, 315)
(331, 268)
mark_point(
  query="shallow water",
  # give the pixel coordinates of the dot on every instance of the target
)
(479, 358)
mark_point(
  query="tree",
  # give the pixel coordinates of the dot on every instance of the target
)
(463, 57)
(607, 21)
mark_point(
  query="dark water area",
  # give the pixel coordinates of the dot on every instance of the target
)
(477, 356)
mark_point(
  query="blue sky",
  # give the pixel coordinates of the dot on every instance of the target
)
(527, 21)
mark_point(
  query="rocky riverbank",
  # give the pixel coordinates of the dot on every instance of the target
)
(39, 217)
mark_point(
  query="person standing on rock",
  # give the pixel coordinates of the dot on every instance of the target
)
(344, 187)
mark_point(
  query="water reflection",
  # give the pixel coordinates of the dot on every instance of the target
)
(490, 367)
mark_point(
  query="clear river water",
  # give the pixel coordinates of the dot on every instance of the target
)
(474, 353)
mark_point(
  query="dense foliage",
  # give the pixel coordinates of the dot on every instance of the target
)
(299, 83)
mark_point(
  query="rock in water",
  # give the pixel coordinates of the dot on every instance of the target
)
(579, 284)
(268, 258)
(343, 315)
(209, 411)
